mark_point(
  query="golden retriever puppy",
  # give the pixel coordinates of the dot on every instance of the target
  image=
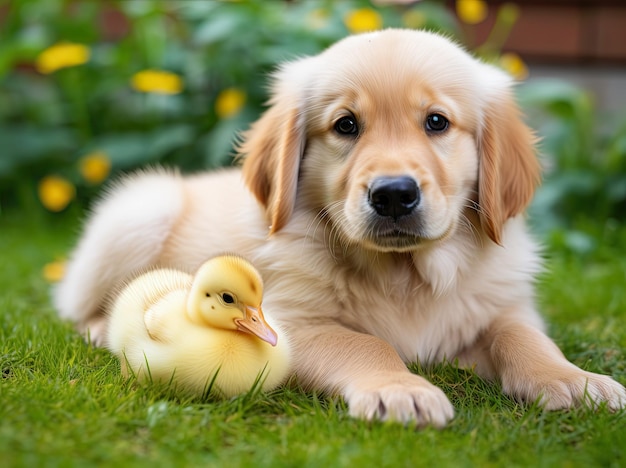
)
(382, 197)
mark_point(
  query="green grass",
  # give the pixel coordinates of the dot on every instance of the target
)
(63, 403)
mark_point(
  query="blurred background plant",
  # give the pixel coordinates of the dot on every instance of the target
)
(583, 197)
(92, 88)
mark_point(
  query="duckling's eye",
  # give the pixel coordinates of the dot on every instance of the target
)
(228, 298)
(208, 295)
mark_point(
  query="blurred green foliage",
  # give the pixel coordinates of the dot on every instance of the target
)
(583, 196)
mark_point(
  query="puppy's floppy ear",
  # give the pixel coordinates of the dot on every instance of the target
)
(272, 149)
(509, 169)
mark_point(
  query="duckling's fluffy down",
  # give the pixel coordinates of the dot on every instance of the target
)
(150, 334)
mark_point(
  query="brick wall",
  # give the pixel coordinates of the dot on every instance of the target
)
(564, 31)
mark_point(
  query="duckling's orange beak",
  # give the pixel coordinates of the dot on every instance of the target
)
(254, 322)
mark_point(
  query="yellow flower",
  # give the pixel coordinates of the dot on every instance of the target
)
(514, 64)
(414, 19)
(471, 11)
(363, 20)
(54, 271)
(95, 167)
(157, 81)
(229, 102)
(55, 192)
(61, 55)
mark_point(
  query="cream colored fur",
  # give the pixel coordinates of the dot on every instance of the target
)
(358, 307)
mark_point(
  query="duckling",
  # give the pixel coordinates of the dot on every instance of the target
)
(197, 332)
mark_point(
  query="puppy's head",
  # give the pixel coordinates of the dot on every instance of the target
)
(392, 137)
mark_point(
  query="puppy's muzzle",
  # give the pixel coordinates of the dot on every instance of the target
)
(394, 197)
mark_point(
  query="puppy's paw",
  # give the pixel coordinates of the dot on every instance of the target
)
(570, 387)
(602, 388)
(400, 397)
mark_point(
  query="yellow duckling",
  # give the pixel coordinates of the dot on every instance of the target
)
(196, 331)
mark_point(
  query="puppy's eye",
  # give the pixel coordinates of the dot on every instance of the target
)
(436, 123)
(347, 125)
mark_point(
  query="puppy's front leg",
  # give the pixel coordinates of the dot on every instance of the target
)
(369, 374)
(530, 367)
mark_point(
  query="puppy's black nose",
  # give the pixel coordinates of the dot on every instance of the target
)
(394, 196)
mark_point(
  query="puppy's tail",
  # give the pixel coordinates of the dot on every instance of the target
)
(124, 235)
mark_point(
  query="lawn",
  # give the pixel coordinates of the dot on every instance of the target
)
(63, 403)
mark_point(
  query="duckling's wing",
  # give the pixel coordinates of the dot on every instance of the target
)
(157, 291)
(127, 324)
(165, 318)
